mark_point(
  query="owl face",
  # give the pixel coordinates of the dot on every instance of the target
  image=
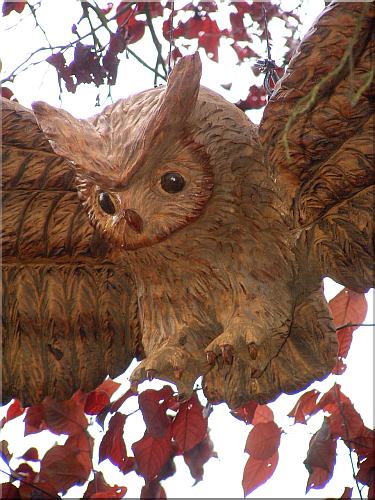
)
(140, 176)
(168, 193)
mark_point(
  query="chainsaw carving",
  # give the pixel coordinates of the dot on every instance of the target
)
(225, 229)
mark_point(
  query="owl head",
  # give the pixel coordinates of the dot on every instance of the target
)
(140, 174)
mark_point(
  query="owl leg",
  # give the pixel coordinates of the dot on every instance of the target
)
(173, 363)
(254, 342)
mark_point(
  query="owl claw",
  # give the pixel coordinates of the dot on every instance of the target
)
(210, 356)
(255, 373)
(150, 374)
(253, 350)
(227, 353)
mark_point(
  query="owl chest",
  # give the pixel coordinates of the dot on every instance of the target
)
(198, 288)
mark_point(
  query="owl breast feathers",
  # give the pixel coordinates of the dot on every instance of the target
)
(227, 229)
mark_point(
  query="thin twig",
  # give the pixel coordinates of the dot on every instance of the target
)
(21, 480)
(33, 11)
(144, 63)
(354, 324)
(155, 39)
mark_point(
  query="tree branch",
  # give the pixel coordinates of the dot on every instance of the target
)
(354, 324)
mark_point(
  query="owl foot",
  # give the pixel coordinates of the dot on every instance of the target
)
(226, 347)
(173, 364)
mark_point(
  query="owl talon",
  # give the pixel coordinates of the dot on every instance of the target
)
(150, 374)
(227, 353)
(253, 350)
(211, 357)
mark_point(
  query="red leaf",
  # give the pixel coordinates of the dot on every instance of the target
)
(245, 412)
(263, 414)
(111, 492)
(107, 9)
(6, 93)
(109, 386)
(99, 488)
(34, 419)
(155, 8)
(25, 472)
(153, 408)
(257, 472)
(113, 445)
(14, 410)
(244, 52)
(345, 421)
(366, 473)
(8, 490)
(96, 401)
(9, 6)
(347, 307)
(31, 455)
(189, 426)
(256, 99)
(210, 39)
(198, 456)
(122, 18)
(68, 465)
(339, 367)
(133, 28)
(113, 407)
(238, 32)
(4, 452)
(151, 454)
(263, 440)
(304, 406)
(64, 417)
(154, 490)
(364, 443)
(321, 457)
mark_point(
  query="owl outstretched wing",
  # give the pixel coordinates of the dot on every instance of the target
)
(69, 306)
(318, 131)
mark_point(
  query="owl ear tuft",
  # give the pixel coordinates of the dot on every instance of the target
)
(76, 140)
(59, 126)
(181, 93)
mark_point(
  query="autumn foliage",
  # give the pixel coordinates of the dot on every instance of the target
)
(180, 428)
(96, 60)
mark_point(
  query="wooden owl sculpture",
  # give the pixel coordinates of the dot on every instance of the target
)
(199, 241)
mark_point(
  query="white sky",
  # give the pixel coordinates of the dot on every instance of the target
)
(223, 476)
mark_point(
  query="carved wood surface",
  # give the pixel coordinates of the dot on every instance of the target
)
(69, 307)
(318, 131)
(227, 271)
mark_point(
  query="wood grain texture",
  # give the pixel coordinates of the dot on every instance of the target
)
(69, 306)
(318, 131)
(227, 270)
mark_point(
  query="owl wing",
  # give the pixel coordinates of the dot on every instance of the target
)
(69, 305)
(318, 132)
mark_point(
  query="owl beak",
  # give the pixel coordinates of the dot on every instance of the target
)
(134, 220)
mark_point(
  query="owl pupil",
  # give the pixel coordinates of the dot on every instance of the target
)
(106, 204)
(172, 182)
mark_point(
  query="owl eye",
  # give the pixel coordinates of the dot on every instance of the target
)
(106, 203)
(172, 182)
